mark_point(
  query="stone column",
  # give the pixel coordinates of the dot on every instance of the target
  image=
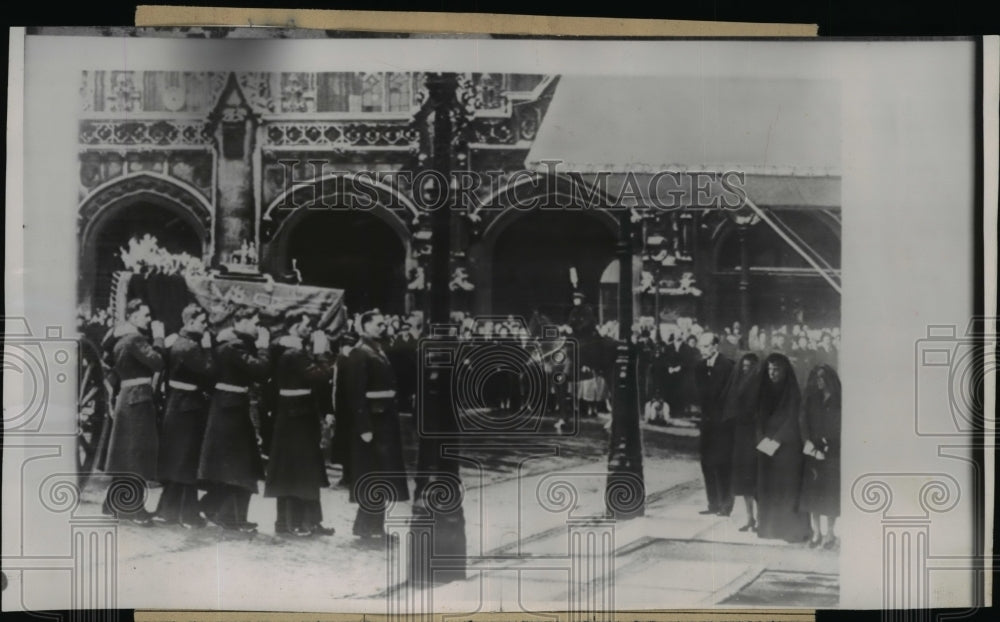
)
(235, 128)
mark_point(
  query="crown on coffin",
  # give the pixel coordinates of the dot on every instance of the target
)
(243, 260)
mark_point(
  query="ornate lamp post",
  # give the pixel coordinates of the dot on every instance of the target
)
(438, 476)
(625, 489)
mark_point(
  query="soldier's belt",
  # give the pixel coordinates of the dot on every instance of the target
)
(375, 395)
(135, 382)
(183, 386)
(294, 392)
(230, 388)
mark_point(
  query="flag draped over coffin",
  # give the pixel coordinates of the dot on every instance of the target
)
(168, 294)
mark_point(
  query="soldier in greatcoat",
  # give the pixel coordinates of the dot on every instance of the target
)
(296, 469)
(190, 376)
(340, 446)
(230, 465)
(376, 447)
(134, 439)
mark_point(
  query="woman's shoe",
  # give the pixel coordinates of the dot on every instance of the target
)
(301, 532)
(815, 541)
(193, 523)
(830, 542)
(165, 520)
(750, 526)
(247, 527)
(323, 531)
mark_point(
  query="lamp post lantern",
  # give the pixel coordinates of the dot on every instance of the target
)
(744, 218)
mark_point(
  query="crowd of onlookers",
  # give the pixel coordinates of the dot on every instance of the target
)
(767, 402)
(665, 358)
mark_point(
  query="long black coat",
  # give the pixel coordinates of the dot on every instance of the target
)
(779, 477)
(186, 413)
(820, 424)
(583, 322)
(229, 454)
(295, 466)
(340, 447)
(716, 441)
(741, 410)
(379, 462)
(656, 378)
(673, 380)
(134, 440)
(403, 357)
(689, 359)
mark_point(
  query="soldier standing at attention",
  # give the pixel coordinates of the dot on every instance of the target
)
(133, 444)
(190, 373)
(376, 443)
(230, 462)
(340, 446)
(295, 467)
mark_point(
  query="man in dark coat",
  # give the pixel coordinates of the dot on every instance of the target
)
(134, 439)
(340, 446)
(689, 359)
(403, 355)
(716, 440)
(583, 324)
(376, 447)
(672, 381)
(295, 466)
(581, 318)
(230, 462)
(191, 372)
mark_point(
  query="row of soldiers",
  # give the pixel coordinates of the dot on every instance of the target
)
(208, 440)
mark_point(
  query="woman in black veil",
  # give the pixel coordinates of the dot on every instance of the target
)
(821, 435)
(741, 409)
(780, 459)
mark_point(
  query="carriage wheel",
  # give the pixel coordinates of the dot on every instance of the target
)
(93, 397)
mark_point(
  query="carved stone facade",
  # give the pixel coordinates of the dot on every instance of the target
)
(264, 151)
(272, 153)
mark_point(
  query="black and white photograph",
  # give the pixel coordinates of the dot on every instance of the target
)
(411, 325)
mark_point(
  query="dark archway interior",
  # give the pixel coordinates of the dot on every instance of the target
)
(354, 251)
(766, 249)
(532, 260)
(172, 232)
(776, 296)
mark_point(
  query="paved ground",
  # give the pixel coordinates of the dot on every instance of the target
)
(518, 506)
